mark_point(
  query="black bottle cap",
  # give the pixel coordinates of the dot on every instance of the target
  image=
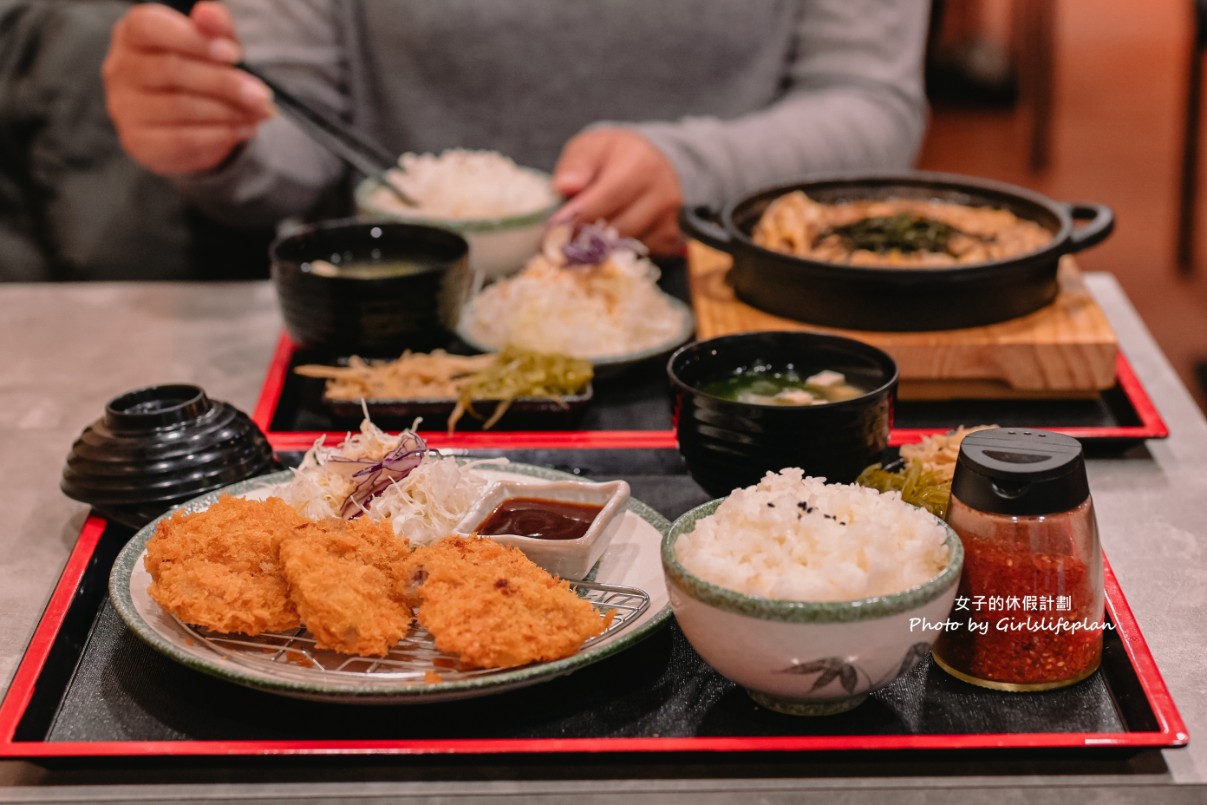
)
(1020, 471)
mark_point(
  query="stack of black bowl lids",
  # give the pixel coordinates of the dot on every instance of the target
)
(158, 447)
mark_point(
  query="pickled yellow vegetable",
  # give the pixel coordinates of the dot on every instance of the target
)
(521, 373)
(922, 488)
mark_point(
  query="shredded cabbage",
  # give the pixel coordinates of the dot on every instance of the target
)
(558, 303)
(422, 504)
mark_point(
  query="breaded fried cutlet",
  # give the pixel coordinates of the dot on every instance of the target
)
(219, 568)
(492, 607)
(344, 579)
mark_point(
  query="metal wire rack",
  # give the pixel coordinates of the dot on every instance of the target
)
(293, 656)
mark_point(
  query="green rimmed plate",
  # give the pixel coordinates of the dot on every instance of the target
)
(632, 560)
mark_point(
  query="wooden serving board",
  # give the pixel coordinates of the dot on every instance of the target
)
(1067, 349)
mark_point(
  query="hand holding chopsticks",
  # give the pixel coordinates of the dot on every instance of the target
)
(335, 135)
(180, 109)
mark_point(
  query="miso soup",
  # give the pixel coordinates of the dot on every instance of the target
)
(766, 385)
(367, 270)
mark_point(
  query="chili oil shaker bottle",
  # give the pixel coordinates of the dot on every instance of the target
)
(1029, 612)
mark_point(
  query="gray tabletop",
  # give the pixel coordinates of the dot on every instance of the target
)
(68, 349)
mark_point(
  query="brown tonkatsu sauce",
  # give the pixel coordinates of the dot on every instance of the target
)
(540, 518)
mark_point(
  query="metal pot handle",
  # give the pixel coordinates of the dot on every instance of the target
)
(701, 223)
(1101, 222)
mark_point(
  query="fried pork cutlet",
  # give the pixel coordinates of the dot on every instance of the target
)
(492, 607)
(219, 568)
(344, 578)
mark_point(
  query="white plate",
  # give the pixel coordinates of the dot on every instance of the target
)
(632, 560)
(611, 365)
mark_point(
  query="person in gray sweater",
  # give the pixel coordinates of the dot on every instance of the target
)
(637, 107)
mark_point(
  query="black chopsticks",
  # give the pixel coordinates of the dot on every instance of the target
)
(336, 136)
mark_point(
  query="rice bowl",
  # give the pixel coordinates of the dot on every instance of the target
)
(807, 657)
(465, 185)
(498, 206)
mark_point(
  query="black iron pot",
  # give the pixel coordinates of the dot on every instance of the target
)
(899, 298)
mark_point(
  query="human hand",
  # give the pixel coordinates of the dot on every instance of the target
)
(621, 177)
(171, 90)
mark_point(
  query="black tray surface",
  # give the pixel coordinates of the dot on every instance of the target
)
(102, 683)
(1110, 409)
(637, 400)
(124, 691)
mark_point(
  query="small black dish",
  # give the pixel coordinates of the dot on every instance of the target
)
(727, 445)
(158, 447)
(366, 288)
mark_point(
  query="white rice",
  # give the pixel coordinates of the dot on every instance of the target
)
(465, 185)
(798, 538)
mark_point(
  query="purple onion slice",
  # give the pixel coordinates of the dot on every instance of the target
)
(377, 476)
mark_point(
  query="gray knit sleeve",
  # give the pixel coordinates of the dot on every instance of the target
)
(854, 99)
(281, 172)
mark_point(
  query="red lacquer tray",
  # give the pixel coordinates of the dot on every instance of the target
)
(658, 697)
(1148, 717)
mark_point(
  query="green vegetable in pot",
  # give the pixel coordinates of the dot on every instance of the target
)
(902, 232)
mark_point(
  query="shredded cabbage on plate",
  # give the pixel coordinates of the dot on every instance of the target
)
(422, 493)
(562, 302)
